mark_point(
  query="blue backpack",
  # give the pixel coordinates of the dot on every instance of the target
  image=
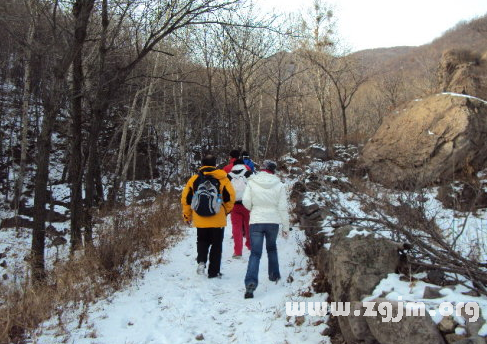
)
(207, 199)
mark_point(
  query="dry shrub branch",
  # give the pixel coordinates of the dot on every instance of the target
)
(405, 216)
(127, 243)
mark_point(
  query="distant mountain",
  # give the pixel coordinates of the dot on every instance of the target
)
(470, 35)
(380, 57)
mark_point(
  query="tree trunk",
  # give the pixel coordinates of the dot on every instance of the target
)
(276, 120)
(19, 185)
(99, 109)
(132, 152)
(82, 11)
(75, 171)
(40, 189)
(344, 123)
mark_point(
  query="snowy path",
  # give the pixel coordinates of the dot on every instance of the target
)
(172, 304)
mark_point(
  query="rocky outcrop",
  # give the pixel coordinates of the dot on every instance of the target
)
(463, 71)
(358, 263)
(430, 140)
(354, 266)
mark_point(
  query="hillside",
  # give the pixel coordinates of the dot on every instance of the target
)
(465, 35)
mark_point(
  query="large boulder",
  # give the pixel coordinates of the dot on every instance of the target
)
(357, 263)
(430, 140)
(354, 265)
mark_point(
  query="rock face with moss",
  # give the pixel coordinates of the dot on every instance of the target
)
(429, 140)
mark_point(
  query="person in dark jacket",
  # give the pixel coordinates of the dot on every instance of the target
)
(234, 155)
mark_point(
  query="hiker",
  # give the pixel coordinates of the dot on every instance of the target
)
(234, 155)
(207, 199)
(240, 215)
(248, 161)
(265, 197)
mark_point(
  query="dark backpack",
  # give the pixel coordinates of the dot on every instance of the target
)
(207, 199)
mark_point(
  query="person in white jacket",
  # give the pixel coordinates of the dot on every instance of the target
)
(266, 199)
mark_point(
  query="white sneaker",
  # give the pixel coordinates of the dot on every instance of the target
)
(201, 269)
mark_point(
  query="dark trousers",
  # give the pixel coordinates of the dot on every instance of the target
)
(210, 237)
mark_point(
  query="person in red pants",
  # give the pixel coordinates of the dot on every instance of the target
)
(240, 216)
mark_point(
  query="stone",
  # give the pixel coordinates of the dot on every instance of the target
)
(447, 325)
(449, 139)
(200, 337)
(299, 187)
(16, 221)
(436, 277)
(453, 337)
(358, 324)
(471, 340)
(296, 170)
(146, 194)
(463, 71)
(473, 327)
(408, 330)
(318, 153)
(354, 268)
(432, 293)
(310, 209)
(313, 185)
(58, 241)
(52, 232)
(299, 320)
(54, 216)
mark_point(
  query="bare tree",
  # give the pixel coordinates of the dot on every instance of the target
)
(317, 45)
(81, 13)
(29, 46)
(346, 77)
(247, 50)
(152, 22)
(281, 70)
(392, 87)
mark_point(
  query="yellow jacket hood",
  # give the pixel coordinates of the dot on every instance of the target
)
(214, 172)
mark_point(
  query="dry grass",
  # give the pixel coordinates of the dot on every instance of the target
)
(123, 250)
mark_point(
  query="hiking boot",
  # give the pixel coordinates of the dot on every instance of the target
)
(237, 256)
(201, 269)
(249, 291)
(274, 279)
(218, 275)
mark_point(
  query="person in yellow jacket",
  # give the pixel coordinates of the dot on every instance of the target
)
(207, 199)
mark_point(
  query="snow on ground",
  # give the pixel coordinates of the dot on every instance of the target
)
(398, 290)
(470, 228)
(172, 304)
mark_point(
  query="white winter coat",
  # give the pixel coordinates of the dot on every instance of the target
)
(265, 196)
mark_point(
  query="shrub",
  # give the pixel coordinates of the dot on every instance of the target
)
(122, 249)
